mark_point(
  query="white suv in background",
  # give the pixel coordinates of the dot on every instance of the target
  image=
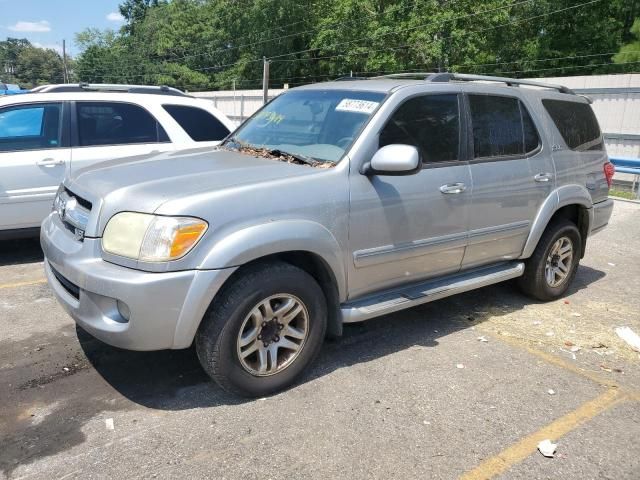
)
(59, 129)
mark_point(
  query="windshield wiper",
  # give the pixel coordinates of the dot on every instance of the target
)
(314, 162)
(297, 156)
(232, 139)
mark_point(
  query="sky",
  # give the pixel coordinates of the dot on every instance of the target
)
(46, 22)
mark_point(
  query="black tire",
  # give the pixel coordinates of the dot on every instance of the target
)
(216, 340)
(534, 283)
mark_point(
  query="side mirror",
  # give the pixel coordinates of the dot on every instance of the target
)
(393, 160)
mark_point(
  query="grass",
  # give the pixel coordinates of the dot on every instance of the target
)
(622, 194)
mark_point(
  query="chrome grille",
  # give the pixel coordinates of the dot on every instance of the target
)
(73, 212)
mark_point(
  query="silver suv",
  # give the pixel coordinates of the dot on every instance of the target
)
(334, 203)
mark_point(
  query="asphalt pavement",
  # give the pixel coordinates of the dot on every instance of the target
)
(464, 387)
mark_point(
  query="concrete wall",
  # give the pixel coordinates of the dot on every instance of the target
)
(238, 105)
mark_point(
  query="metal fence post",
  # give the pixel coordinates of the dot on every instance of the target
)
(265, 80)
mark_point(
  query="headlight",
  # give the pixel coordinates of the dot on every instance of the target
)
(151, 238)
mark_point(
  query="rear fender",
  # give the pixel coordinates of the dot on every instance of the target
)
(561, 197)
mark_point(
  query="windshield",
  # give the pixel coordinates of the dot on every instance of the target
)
(314, 124)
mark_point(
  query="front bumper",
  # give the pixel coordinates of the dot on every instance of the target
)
(601, 215)
(165, 309)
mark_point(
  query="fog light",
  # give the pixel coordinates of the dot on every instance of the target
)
(123, 310)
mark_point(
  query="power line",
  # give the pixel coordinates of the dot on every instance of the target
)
(400, 47)
(368, 52)
(454, 68)
(411, 28)
(296, 34)
(279, 38)
(369, 38)
(570, 67)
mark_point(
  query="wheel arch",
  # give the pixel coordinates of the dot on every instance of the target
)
(571, 202)
(314, 265)
(304, 244)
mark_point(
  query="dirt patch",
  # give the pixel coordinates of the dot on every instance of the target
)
(75, 365)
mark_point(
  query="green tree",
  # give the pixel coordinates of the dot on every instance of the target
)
(134, 12)
(37, 66)
(631, 51)
(205, 44)
(27, 65)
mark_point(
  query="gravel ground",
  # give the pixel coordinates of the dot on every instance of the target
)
(387, 400)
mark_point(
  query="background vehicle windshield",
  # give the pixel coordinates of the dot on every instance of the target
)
(320, 124)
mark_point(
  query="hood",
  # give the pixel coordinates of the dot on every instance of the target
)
(150, 180)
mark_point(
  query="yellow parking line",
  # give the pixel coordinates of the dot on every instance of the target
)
(523, 448)
(22, 284)
(557, 361)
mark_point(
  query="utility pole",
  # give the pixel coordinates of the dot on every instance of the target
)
(265, 80)
(234, 99)
(65, 72)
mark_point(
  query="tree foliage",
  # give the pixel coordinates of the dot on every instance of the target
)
(27, 65)
(210, 44)
(631, 51)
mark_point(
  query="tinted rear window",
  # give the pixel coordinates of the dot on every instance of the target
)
(501, 127)
(111, 123)
(576, 123)
(199, 124)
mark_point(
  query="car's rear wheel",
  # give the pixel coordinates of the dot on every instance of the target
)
(553, 265)
(263, 330)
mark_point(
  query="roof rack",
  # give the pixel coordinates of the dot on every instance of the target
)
(349, 79)
(107, 87)
(447, 77)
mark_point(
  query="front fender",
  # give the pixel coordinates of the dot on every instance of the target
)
(560, 197)
(258, 241)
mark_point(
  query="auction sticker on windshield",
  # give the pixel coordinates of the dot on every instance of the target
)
(357, 106)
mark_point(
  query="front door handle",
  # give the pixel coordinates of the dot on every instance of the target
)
(453, 188)
(542, 177)
(50, 162)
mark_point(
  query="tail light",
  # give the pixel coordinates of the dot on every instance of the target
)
(609, 170)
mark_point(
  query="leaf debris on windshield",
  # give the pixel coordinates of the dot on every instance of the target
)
(281, 156)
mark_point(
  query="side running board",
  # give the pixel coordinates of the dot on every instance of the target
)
(417, 294)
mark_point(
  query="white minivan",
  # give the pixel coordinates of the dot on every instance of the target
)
(58, 129)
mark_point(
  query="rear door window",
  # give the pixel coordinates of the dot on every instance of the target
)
(577, 124)
(431, 123)
(502, 126)
(199, 124)
(30, 127)
(112, 123)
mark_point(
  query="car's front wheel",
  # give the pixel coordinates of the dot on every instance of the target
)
(263, 330)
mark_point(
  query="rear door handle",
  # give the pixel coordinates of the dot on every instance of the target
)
(542, 177)
(50, 162)
(452, 188)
